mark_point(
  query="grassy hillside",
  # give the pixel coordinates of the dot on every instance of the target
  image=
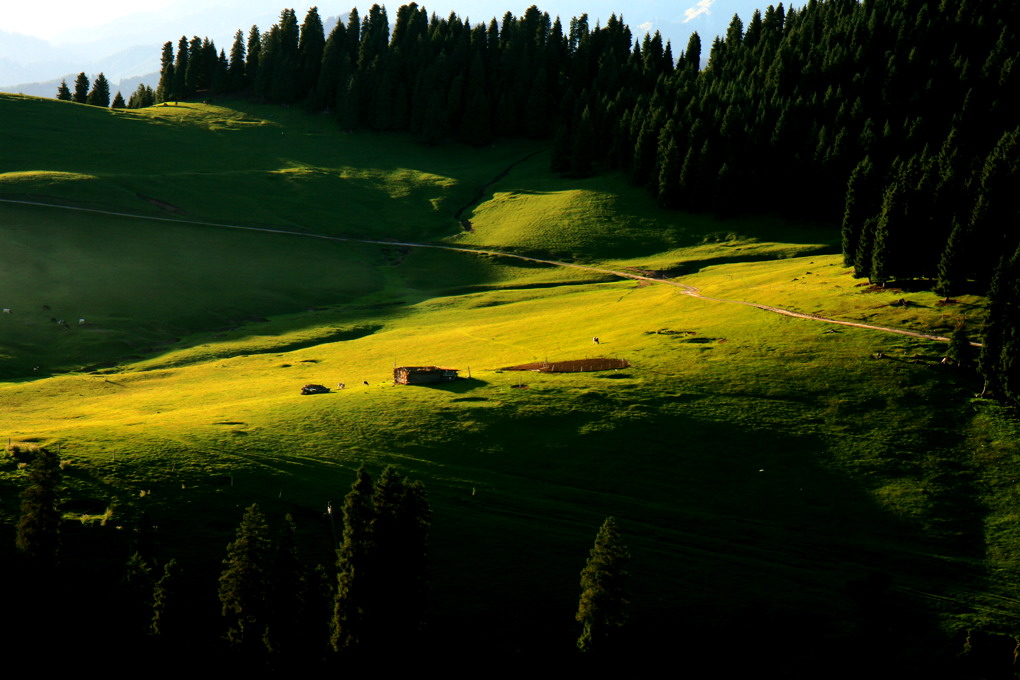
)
(760, 465)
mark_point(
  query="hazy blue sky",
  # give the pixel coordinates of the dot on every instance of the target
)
(65, 21)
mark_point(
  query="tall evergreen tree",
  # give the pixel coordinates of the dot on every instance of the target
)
(81, 88)
(63, 92)
(311, 44)
(237, 75)
(286, 626)
(960, 352)
(245, 582)
(165, 88)
(38, 531)
(254, 62)
(118, 102)
(99, 95)
(180, 91)
(399, 537)
(858, 208)
(602, 610)
(354, 567)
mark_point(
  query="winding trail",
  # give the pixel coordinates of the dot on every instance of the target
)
(684, 288)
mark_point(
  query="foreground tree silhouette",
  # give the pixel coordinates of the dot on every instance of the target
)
(381, 565)
(603, 604)
(245, 584)
(38, 536)
(353, 566)
(167, 618)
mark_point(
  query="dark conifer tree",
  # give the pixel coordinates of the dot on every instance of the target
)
(118, 102)
(602, 610)
(399, 536)
(858, 208)
(286, 627)
(38, 531)
(1002, 320)
(692, 56)
(165, 88)
(99, 95)
(143, 96)
(334, 70)
(354, 568)
(960, 352)
(951, 267)
(670, 165)
(180, 69)
(63, 92)
(196, 67)
(81, 88)
(245, 582)
(253, 64)
(237, 70)
(311, 44)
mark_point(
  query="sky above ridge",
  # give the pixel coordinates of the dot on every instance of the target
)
(70, 21)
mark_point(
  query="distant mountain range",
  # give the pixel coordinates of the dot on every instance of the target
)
(127, 49)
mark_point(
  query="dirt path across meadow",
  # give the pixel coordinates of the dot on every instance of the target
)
(684, 288)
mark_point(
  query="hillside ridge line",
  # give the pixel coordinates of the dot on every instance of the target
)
(685, 289)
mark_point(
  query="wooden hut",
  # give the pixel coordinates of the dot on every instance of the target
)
(423, 375)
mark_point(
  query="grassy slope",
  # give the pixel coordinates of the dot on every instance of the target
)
(759, 457)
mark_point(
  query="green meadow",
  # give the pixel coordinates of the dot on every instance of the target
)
(759, 465)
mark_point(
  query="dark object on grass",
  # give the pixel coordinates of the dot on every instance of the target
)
(572, 366)
(423, 375)
(312, 388)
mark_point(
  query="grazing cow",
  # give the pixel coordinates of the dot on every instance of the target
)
(81, 322)
(595, 340)
(7, 310)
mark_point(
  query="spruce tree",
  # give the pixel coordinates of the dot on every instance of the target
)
(254, 62)
(81, 88)
(99, 95)
(63, 92)
(287, 627)
(960, 352)
(311, 45)
(236, 71)
(118, 102)
(245, 582)
(399, 538)
(354, 567)
(178, 90)
(38, 531)
(602, 610)
(165, 88)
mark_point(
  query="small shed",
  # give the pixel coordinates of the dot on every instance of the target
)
(423, 375)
